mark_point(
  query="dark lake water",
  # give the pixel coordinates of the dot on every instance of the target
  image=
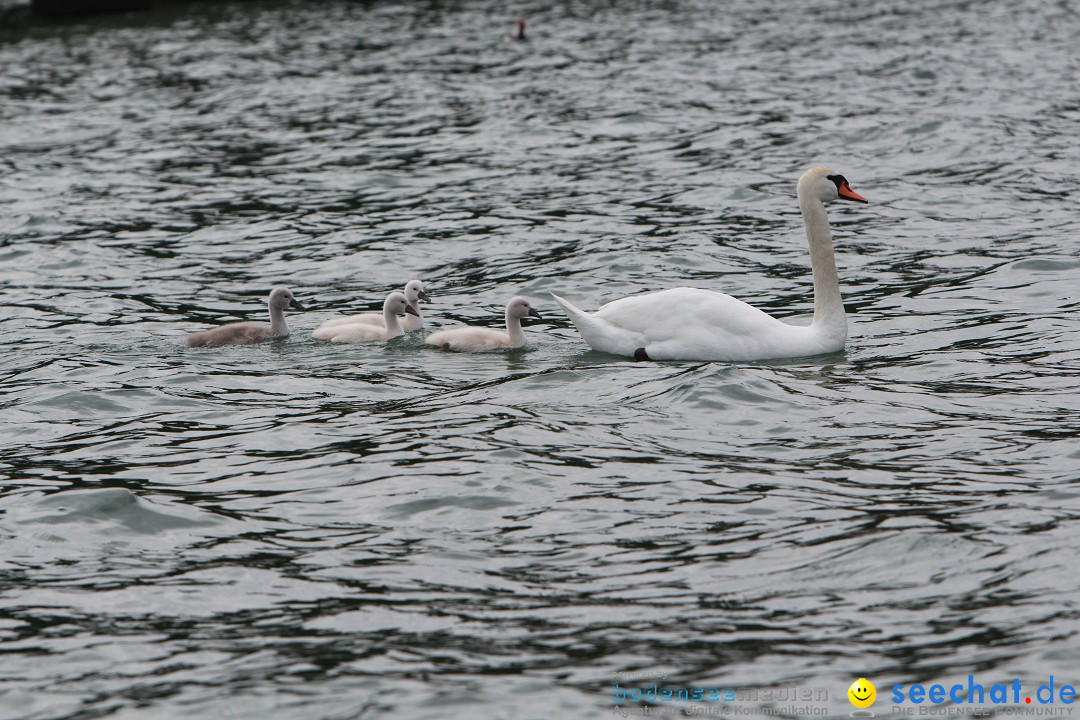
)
(299, 530)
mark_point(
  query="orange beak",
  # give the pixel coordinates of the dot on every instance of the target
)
(847, 193)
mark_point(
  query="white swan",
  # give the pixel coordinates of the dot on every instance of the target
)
(362, 332)
(245, 333)
(414, 292)
(476, 339)
(690, 324)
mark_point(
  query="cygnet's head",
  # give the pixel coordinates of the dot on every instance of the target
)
(282, 297)
(827, 185)
(519, 307)
(396, 303)
(414, 290)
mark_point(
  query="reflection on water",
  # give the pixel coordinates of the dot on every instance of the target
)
(355, 532)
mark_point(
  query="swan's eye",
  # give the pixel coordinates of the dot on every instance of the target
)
(838, 180)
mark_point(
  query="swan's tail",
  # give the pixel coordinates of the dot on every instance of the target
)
(601, 334)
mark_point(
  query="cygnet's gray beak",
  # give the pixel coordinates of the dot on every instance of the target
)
(533, 313)
(423, 296)
(295, 305)
(410, 311)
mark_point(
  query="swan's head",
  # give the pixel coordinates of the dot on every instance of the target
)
(282, 297)
(414, 290)
(396, 303)
(519, 307)
(826, 185)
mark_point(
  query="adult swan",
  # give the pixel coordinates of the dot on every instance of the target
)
(690, 324)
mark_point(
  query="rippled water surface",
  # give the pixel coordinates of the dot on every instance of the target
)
(300, 530)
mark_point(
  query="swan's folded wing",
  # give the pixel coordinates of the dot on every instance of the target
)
(365, 318)
(663, 315)
(334, 326)
(243, 333)
(354, 332)
(470, 339)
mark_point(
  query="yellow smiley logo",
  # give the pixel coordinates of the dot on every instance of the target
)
(862, 693)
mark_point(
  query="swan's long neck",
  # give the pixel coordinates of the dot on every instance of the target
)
(393, 327)
(277, 320)
(513, 328)
(828, 305)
